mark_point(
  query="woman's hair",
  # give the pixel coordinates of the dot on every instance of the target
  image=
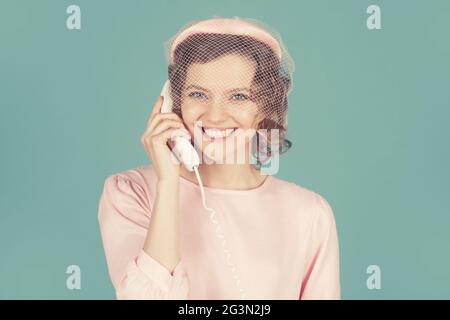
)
(270, 84)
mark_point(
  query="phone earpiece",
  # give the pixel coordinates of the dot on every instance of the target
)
(167, 103)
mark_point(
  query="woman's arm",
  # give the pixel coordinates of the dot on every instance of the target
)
(142, 243)
(163, 233)
(162, 241)
(322, 277)
(125, 213)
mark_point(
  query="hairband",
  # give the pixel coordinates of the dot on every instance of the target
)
(227, 26)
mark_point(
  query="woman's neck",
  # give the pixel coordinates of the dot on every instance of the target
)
(226, 176)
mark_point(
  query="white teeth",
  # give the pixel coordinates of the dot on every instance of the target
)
(218, 133)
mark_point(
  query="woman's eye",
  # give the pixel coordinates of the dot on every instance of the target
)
(196, 94)
(239, 97)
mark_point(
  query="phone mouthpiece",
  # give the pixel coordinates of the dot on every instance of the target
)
(185, 153)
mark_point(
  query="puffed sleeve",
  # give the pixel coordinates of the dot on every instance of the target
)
(322, 277)
(124, 214)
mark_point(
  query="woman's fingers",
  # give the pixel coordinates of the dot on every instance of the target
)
(157, 110)
(163, 137)
(157, 106)
(167, 134)
(165, 124)
(159, 123)
(160, 118)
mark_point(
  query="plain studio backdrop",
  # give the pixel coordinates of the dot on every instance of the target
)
(368, 118)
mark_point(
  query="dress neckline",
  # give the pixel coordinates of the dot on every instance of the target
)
(267, 181)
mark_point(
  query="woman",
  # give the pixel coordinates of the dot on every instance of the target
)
(229, 83)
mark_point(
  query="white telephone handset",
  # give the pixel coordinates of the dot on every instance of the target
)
(183, 149)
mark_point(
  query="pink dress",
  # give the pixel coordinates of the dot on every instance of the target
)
(282, 238)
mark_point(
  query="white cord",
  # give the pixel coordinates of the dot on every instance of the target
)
(221, 236)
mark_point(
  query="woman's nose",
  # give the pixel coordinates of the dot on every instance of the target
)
(216, 111)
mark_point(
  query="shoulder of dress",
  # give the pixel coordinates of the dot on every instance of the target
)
(293, 189)
(142, 176)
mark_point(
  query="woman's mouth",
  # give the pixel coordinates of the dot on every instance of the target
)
(217, 134)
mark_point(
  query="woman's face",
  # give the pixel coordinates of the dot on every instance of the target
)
(217, 109)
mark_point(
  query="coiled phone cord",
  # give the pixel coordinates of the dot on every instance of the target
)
(220, 236)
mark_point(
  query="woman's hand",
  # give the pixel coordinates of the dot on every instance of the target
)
(161, 127)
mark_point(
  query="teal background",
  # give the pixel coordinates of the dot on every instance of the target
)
(369, 119)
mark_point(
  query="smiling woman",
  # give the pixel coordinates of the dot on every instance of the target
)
(241, 75)
(214, 100)
(227, 78)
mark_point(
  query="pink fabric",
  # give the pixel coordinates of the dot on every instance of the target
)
(229, 26)
(282, 238)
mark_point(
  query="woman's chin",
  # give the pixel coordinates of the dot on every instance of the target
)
(222, 150)
(212, 153)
